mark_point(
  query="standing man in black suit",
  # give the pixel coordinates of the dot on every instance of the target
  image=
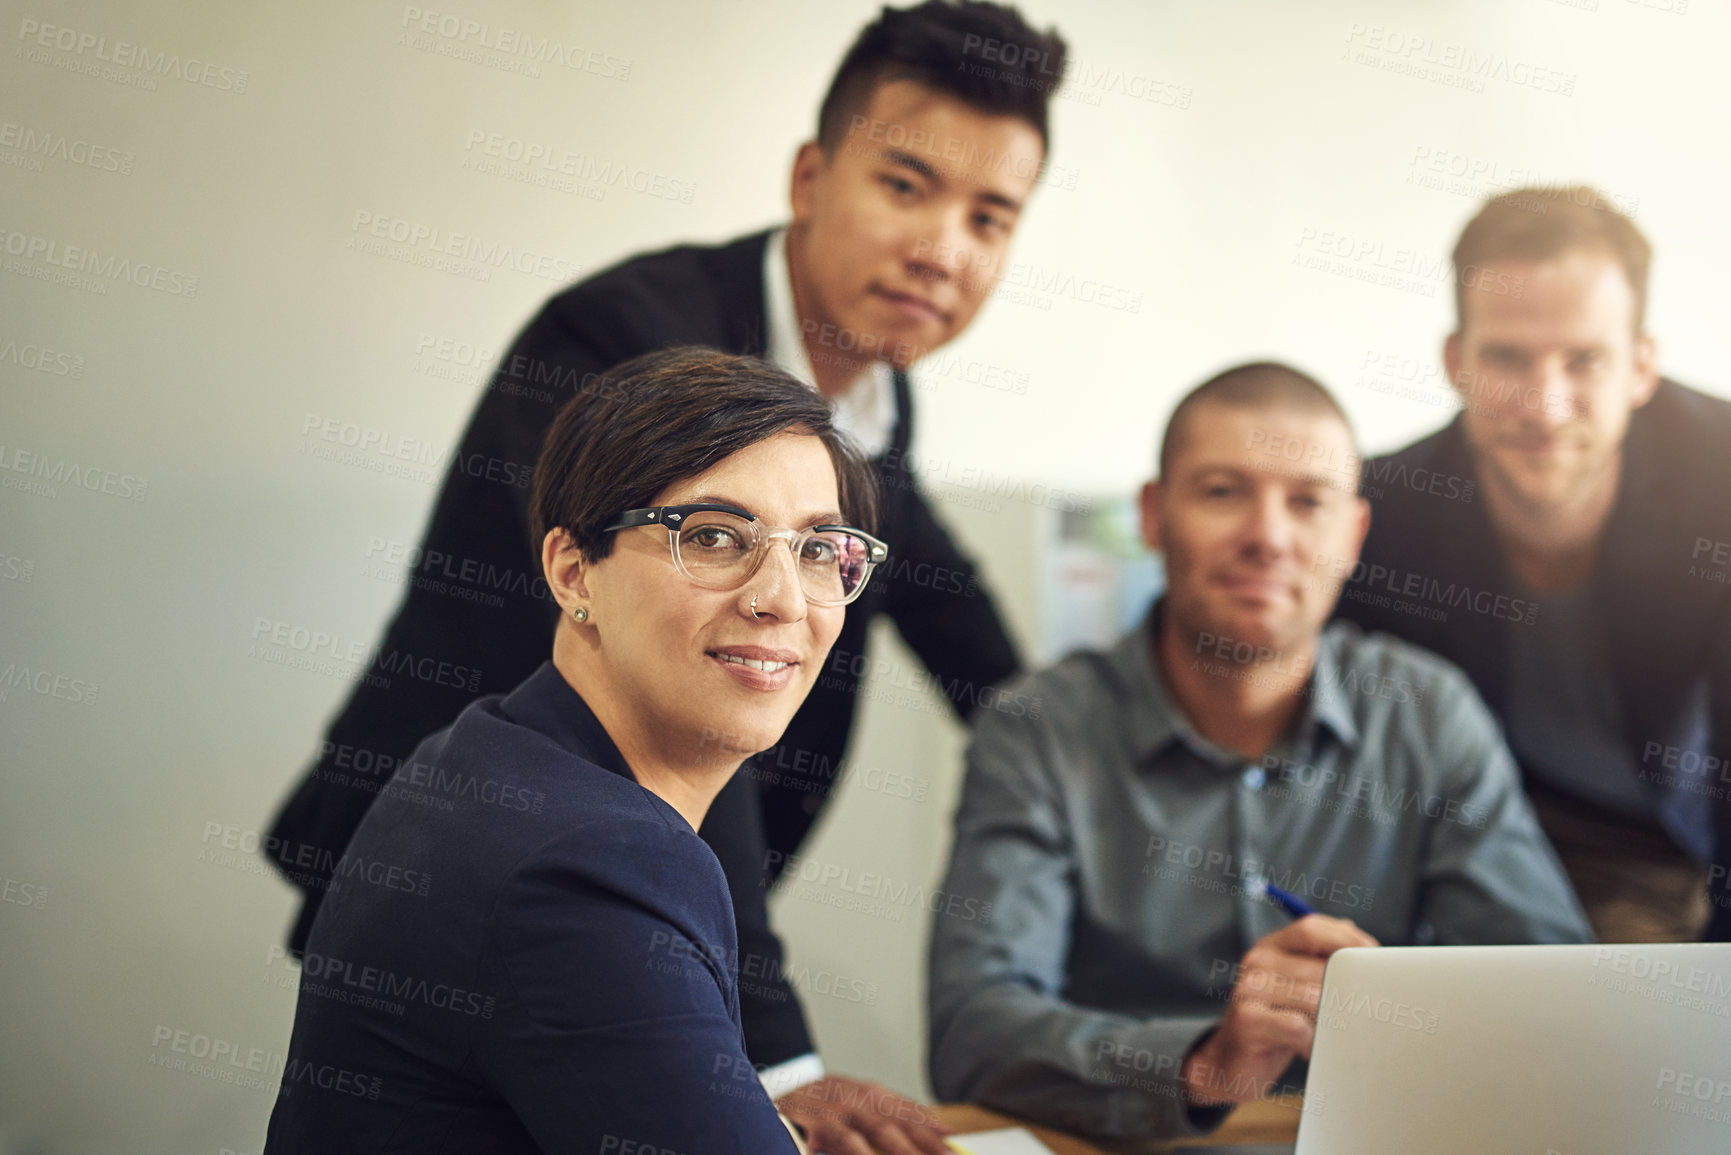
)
(930, 140)
(1566, 541)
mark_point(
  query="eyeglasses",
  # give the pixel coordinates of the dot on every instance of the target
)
(720, 546)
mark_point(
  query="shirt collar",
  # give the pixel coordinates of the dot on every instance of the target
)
(867, 409)
(1154, 720)
(547, 704)
(786, 347)
(1328, 700)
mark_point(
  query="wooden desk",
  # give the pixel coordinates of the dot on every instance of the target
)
(1266, 1121)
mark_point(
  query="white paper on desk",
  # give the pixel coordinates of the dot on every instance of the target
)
(1006, 1141)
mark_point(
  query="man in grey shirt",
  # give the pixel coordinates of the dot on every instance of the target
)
(1135, 978)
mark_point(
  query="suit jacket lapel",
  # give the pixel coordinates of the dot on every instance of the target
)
(1467, 553)
(739, 277)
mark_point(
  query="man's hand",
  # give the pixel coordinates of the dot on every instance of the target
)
(1271, 1015)
(848, 1117)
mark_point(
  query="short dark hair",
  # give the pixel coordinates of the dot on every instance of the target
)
(1256, 385)
(984, 55)
(657, 419)
(1541, 224)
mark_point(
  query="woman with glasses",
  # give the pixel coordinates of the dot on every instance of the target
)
(526, 947)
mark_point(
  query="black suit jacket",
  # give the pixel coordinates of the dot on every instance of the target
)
(1432, 572)
(478, 604)
(523, 950)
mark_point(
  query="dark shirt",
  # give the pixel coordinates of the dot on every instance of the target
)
(523, 950)
(1564, 719)
(1433, 572)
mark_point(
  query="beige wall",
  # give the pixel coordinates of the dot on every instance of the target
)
(1209, 150)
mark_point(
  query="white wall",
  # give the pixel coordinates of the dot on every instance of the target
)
(1267, 131)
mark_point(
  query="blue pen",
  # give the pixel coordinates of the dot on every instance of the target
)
(1286, 900)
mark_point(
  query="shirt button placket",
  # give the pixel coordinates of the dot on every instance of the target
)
(1255, 919)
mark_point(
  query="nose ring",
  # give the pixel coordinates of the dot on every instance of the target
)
(754, 605)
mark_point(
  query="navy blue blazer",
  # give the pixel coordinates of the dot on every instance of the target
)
(523, 950)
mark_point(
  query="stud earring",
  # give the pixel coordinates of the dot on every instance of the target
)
(580, 613)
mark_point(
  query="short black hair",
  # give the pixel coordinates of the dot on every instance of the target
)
(660, 418)
(1256, 385)
(984, 55)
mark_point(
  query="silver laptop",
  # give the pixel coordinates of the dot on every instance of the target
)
(1535, 1050)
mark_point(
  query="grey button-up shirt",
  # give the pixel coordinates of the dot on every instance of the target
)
(1116, 846)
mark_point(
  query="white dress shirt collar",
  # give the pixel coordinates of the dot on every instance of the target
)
(867, 409)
